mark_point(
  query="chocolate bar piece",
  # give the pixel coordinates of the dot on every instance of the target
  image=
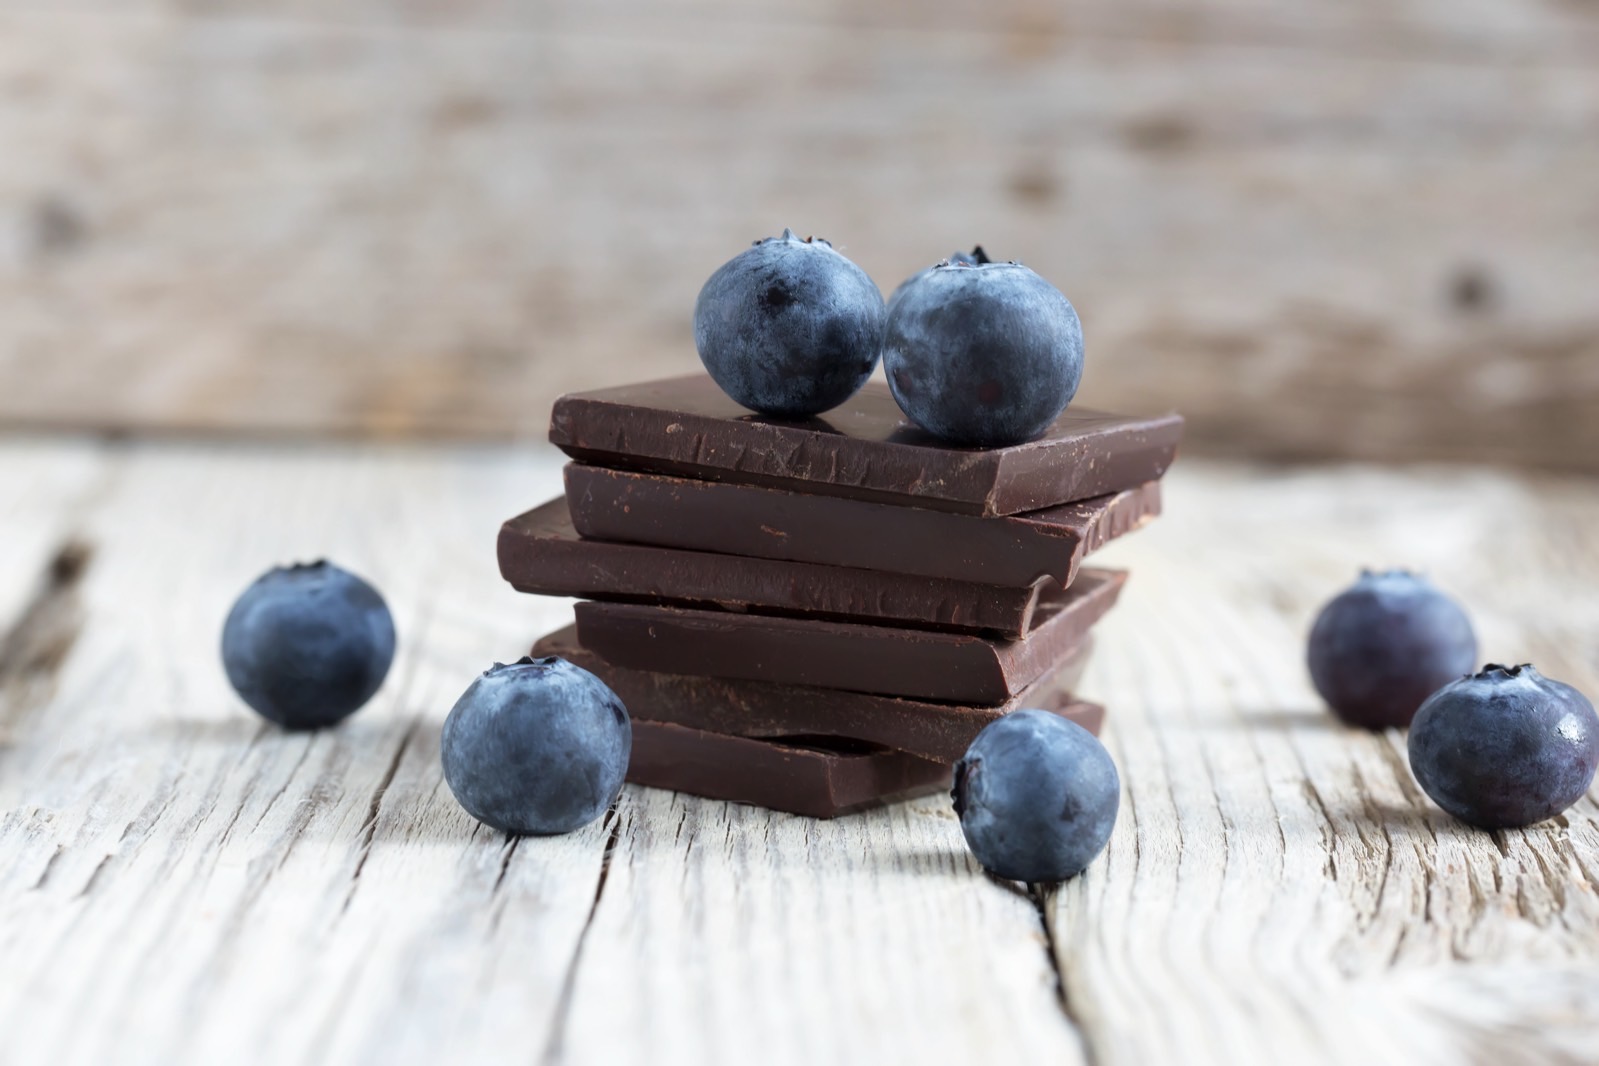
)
(865, 449)
(938, 731)
(541, 552)
(712, 516)
(799, 776)
(920, 663)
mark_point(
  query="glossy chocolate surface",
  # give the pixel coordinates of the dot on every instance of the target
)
(816, 777)
(761, 709)
(892, 661)
(796, 777)
(1017, 550)
(865, 449)
(540, 552)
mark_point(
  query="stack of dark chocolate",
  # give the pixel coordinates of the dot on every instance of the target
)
(820, 616)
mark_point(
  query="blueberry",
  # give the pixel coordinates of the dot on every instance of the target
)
(975, 257)
(307, 645)
(1385, 644)
(1037, 797)
(1505, 748)
(983, 355)
(789, 327)
(537, 747)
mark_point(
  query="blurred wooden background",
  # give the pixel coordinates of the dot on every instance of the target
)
(1360, 229)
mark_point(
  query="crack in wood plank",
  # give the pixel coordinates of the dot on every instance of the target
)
(35, 647)
(369, 825)
(1328, 833)
(1385, 852)
(49, 867)
(94, 877)
(407, 684)
(555, 1046)
(305, 750)
(1043, 899)
(238, 811)
(506, 854)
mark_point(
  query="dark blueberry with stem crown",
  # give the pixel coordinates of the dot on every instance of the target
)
(1505, 748)
(975, 257)
(1036, 796)
(983, 354)
(789, 327)
(537, 747)
(1386, 643)
(307, 645)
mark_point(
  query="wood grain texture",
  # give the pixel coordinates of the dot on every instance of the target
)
(45, 488)
(1355, 230)
(1335, 914)
(201, 887)
(45, 491)
(181, 884)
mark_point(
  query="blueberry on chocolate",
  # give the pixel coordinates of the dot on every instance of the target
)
(983, 354)
(789, 327)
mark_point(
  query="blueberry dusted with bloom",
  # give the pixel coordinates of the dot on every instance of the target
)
(1385, 644)
(307, 645)
(1505, 748)
(975, 257)
(1037, 797)
(983, 354)
(537, 747)
(789, 327)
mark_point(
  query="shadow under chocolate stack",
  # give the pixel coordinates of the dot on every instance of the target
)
(820, 616)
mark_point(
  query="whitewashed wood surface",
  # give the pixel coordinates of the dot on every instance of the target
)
(181, 884)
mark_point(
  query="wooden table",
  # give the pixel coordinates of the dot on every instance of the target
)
(182, 884)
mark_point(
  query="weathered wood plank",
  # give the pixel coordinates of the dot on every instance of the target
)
(1329, 231)
(201, 880)
(1279, 889)
(45, 489)
(181, 885)
(732, 935)
(207, 888)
